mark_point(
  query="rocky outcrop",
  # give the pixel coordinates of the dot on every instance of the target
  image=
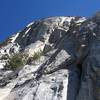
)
(68, 69)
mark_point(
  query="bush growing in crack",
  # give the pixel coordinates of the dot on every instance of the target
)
(16, 61)
(35, 56)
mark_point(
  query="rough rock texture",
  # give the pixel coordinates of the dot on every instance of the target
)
(69, 68)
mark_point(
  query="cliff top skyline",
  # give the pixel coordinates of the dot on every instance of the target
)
(15, 14)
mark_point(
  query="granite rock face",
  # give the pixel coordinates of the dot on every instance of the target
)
(68, 69)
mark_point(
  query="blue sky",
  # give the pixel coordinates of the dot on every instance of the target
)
(16, 14)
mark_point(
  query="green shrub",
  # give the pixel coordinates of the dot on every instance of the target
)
(34, 57)
(16, 61)
(37, 55)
